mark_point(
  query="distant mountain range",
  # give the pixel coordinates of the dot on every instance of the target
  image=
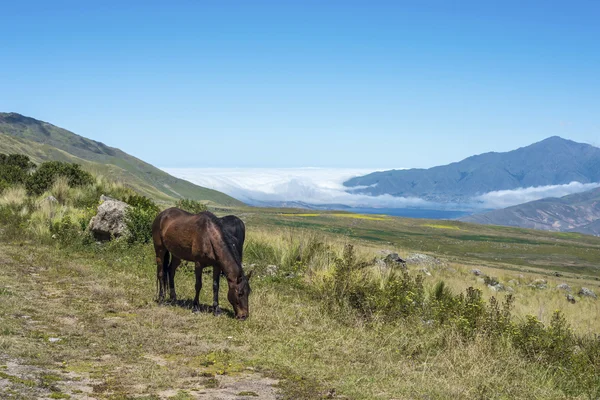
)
(553, 161)
(578, 212)
(42, 141)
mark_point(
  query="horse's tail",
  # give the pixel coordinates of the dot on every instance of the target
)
(165, 277)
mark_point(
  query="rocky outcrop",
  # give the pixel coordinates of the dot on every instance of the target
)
(109, 222)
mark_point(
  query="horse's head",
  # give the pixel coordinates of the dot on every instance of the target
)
(238, 296)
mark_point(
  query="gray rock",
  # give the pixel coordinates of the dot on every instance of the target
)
(422, 259)
(394, 258)
(570, 298)
(587, 292)
(539, 284)
(498, 287)
(271, 270)
(109, 220)
(50, 199)
(564, 286)
(380, 263)
(477, 272)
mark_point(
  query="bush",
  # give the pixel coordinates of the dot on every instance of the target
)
(45, 175)
(192, 206)
(65, 231)
(139, 218)
(142, 202)
(14, 170)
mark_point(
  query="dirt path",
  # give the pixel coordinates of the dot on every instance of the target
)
(70, 331)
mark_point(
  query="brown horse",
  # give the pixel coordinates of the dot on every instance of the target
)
(199, 238)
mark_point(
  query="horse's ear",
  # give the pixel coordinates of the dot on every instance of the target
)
(249, 275)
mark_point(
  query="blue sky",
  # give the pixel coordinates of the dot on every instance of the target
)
(366, 84)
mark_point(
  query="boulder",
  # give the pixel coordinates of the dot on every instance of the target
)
(109, 220)
(394, 258)
(564, 286)
(498, 287)
(587, 292)
(477, 272)
(570, 298)
(539, 284)
(422, 259)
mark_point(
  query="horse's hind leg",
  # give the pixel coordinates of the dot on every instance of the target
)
(198, 271)
(172, 269)
(216, 278)
(162, 265)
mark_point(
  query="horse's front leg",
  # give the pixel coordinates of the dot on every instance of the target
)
(198, 272)
(216, 278)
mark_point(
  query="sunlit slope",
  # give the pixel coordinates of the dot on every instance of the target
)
(43, 141)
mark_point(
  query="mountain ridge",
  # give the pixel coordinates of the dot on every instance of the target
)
(579, 212)
(552, 161)
(43, 141)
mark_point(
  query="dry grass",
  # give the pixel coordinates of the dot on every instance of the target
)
(99, 302)
(114, 334)
(15, 195)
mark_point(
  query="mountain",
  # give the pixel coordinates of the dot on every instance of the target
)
(578, 212)
(552, 161)
(42, 141)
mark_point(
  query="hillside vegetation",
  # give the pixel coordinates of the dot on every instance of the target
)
(330, 315)
(579, 212)
(42, 141)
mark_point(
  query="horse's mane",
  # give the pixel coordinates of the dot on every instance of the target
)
(227, 237)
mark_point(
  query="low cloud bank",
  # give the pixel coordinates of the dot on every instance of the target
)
(310, 185)
(507, 198)
(322, 186)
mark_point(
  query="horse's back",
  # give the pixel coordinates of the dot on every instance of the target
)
(181, 233)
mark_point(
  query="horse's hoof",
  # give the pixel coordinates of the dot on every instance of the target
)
(217, 311)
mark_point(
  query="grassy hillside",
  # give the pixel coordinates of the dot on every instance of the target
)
(579, 212)
(504, 247)
(43, 141)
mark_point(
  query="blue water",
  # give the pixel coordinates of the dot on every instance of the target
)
(412, 212)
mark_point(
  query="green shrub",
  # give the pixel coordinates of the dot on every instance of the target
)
(45, 175)
(191, 206)
(14, 170)
(139, 218)
(65, 231)
(142, 202)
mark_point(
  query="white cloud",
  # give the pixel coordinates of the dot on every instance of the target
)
(507, 198)
(310, 185)
(324, 186)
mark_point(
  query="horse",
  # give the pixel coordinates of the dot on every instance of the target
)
(202, 239)
(235, 227)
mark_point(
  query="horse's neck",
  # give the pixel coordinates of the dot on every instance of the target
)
(232, 271)
(229, 265)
